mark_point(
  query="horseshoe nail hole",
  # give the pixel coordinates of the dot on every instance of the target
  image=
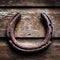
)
(49, 24)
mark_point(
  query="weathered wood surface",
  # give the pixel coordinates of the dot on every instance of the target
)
(32, 16)
(30, 3)
(30, 24)
(52, 53)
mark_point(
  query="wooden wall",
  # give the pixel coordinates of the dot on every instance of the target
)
(29, 16)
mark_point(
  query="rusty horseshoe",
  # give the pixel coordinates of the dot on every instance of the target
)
(47, 40)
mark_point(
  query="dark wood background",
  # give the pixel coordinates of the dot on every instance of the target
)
(30, 3)
(30, 19)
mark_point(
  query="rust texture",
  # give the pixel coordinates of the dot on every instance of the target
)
(29, 26)
(49, 32)
(30, 15)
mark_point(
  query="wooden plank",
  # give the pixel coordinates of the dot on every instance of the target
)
(30, 3)
(52, 53)
(30, 19)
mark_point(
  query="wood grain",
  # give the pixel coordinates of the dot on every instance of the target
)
(32, 16)
(30, 24)
(30, 3)
(52, 53)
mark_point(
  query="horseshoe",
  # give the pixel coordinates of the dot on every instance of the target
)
(46, 42)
